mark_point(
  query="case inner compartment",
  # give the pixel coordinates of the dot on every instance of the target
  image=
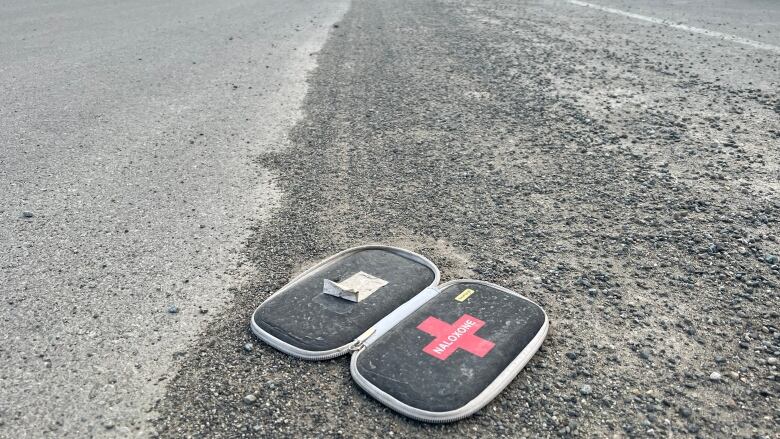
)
(477, 337)
(304, 316)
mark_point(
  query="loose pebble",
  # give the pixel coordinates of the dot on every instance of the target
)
(715, 376)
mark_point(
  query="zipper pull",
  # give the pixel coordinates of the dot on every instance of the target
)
(358, 343)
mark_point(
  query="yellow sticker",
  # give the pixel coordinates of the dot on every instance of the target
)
(464, 295)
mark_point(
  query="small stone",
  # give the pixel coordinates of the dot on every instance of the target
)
(248, 347)
(250, 399)
(586, 389)
(715, 376)
(771, 259)
(771, 361)
(27, 214)
(108, 425)
(571, 355)
(685, 412)
(719, 359)
(173, 309)
(644, 354)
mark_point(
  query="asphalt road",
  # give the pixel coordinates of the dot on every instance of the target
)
(753, 19)
(128, 131)
(617, 162)
(620, 171)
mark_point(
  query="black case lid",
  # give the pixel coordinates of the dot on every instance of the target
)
(303, 316)
(442, 356)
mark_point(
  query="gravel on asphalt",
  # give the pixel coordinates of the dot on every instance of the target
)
(622, 174)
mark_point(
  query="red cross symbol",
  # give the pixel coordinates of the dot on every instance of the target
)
(459, 335)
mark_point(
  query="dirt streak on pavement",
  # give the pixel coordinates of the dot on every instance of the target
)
(623, 176)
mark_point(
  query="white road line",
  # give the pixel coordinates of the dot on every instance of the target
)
(697, 30)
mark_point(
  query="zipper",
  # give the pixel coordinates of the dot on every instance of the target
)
(359, 342)
(294, 351)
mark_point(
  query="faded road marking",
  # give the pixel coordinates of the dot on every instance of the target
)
(697, 30)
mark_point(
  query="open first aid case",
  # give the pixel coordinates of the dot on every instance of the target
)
(435, 353)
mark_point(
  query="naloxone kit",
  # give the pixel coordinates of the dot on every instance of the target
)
(435, 353)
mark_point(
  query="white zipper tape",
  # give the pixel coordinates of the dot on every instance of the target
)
(401, 313)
